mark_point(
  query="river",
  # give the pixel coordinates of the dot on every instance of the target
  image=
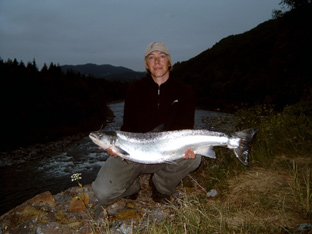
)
(22, 180)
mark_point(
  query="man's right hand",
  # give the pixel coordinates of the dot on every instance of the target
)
(110, 152)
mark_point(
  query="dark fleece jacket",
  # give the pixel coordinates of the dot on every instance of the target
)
(148, 105)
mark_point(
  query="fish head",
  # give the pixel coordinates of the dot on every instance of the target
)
(105, 139)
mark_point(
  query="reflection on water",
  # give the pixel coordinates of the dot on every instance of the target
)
(21, 181)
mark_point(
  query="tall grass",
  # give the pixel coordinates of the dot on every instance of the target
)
(192, 216)
(288, 132)
(301, 188)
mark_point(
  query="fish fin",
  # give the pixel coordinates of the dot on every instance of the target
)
(243, 149)
(159, 128)
(119, 150)
(206, 151)
(126, 161)
(170, 162)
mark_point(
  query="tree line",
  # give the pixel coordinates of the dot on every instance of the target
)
(43, 105)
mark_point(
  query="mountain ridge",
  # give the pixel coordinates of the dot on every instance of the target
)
(105, 71)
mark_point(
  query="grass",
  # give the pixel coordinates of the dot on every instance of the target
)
(301, 188)
(256, 201)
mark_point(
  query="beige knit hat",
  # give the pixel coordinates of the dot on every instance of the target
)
(156, 46)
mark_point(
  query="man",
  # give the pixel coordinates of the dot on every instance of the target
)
(155, 100)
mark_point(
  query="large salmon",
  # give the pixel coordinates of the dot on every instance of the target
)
(166, 147)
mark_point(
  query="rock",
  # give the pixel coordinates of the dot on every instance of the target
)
(52, 228)
(212, 193)
(79, 202)
(43, 199)
(72, 211)
(129, 215)
(76, 225)
(305, 227)
(35, 208)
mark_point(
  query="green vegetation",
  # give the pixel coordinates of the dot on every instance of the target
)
(286, 132)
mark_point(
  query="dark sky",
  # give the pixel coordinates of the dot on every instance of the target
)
(116, 32)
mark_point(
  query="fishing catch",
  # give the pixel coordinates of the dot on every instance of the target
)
(168, 146)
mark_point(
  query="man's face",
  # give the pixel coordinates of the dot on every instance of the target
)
(158, 64)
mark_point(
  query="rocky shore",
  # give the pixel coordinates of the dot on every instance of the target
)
(72, 211)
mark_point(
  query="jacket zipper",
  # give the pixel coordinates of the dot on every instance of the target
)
(158, 103)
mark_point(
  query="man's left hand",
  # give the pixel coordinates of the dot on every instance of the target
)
(189, 154)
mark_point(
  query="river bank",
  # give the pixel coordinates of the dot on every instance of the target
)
(29, 171)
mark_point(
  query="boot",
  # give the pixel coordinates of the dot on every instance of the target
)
(98, 211)
(157, 196)
(132, 196)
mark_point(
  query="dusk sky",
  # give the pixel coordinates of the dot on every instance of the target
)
(116, 32)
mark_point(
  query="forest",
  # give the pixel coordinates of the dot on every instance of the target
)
(270, 64)
(39, 106)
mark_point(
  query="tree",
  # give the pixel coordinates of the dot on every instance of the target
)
(290, 5)
(34, 65)
(44, 68)
(294, 4)
(21, 64)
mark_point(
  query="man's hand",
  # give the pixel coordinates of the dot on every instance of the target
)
(111, 152)
(189, 154)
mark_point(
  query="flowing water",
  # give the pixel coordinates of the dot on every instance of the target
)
(21, 180)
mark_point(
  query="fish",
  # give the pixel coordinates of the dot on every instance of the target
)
(169, 146)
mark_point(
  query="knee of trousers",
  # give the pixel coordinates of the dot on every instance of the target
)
(197, 162)
(192, 164)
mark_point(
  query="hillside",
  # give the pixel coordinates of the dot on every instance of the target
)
(269, 64)
(106, 71)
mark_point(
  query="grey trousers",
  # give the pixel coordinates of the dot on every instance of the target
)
(118, 178)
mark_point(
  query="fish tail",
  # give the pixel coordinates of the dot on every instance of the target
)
(243, 149)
